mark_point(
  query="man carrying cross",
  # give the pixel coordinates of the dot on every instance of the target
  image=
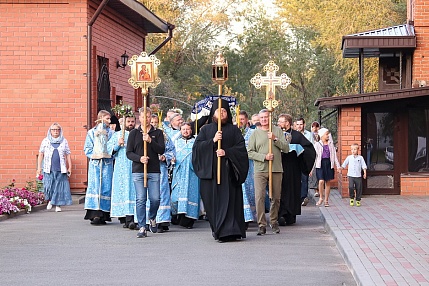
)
(265, 147)
(258, 150)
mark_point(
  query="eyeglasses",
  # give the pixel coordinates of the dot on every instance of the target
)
(55, 129)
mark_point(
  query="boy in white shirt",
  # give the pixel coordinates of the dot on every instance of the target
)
(354, 173)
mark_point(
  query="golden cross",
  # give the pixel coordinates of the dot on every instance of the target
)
(270, 81)
(270, 102)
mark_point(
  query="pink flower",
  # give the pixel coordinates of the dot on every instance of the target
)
(40, 177)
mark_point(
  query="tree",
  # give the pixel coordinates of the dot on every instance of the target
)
(310, 67)
(334, 19)
(186, 60)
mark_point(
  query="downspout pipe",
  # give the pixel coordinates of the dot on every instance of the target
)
(170, 36)
(89, 61)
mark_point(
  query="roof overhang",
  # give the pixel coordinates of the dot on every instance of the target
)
(379, 43)
(137, 13)
(365, 98)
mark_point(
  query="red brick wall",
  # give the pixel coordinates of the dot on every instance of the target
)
(42, 74)
(421, 54)
(349, 132)
(43, 78)
(111, 36)
(414, 185)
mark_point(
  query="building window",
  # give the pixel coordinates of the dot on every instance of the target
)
(417, 143)
(118, 99)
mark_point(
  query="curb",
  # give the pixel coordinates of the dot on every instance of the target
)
(340, 247)
(79, 200)
(12, 215)
(338, 241)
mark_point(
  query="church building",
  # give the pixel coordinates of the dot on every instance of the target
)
(391, 125)
(63, 61)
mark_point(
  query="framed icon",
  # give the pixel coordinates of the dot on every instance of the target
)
(144, 71)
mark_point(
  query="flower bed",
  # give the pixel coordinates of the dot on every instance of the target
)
(13, 199)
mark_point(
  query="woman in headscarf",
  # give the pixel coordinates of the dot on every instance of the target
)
(54, 152)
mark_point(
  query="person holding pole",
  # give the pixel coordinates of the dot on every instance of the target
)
(155, 146)
(258, 150)
(223, 202)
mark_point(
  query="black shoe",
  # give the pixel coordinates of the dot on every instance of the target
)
(96, 221)
(132, 225)
(282, 221)
(125, 226)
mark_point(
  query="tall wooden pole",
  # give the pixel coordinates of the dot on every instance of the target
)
(219, 75)
(123, 127)
(144, 93)
(196, 119)
(270, 102)
(150, 64)
(270, 162)
(219, 128)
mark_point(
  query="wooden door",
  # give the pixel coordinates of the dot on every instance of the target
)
(379, 142)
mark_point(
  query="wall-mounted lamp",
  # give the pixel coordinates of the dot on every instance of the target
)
(124, 61)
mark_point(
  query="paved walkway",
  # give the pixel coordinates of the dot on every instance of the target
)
(48, 248)
(385, 241)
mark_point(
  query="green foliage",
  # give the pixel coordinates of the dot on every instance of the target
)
(334, 19)
(304, 41)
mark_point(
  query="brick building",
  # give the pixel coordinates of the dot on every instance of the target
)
(52, 55)
(391, 125)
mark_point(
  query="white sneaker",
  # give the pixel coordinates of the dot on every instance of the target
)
(49, 206)
(57, 209)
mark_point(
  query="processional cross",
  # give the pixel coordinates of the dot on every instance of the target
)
(144, 75)
(271, 81)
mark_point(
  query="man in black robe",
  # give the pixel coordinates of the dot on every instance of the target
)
(224, 202)
(293, 165)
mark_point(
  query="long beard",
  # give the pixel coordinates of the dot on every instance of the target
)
(223, 121)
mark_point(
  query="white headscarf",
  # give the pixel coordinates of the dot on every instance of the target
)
(60, 138)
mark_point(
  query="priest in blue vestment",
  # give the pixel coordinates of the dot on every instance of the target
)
(185, 196)
(100, 171)
(123, 199)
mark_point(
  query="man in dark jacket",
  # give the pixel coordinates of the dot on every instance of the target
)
(154, 139)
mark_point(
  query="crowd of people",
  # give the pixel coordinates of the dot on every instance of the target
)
(175, 172)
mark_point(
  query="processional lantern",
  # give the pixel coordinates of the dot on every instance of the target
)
(144, 75)
(270, 81)
(220, 69)
(219, 75)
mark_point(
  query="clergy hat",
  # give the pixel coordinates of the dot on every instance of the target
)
(114, 120)
(322, 131)
(224, 104)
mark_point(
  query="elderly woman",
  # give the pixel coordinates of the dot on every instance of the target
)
(54, 152)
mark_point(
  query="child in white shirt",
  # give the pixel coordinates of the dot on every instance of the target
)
(354, 173)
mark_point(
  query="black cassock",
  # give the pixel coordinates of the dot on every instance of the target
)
(223, 203)
(293, 166)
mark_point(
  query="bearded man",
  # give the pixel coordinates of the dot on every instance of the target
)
(223, 202)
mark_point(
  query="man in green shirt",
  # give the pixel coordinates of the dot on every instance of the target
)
(258, 150)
